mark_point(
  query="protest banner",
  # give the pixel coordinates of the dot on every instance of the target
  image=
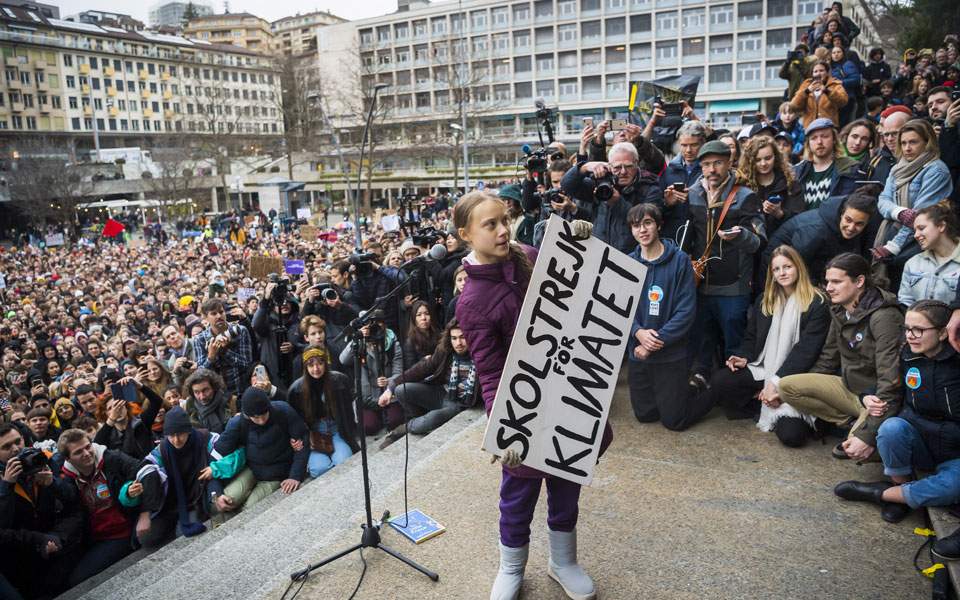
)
(244, 294)
(561, 371)
(54, 239)
(309, 233)
(303, 213)
(294, 267)
(390, 222)
(261, 266)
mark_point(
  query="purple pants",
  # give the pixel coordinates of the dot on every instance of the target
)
(518, 500)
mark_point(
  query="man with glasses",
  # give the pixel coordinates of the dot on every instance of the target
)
(727, 229)
(631, 186)
(891, 121)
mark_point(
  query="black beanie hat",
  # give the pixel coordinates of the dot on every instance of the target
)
(176, 420)
(255, 402)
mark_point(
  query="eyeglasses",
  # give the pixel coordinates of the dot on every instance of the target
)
(889, 134)
(916, 332)
(619, 168)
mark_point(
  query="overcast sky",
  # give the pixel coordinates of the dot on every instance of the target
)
(270, 11)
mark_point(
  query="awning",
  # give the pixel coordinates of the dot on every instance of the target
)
(734, 106)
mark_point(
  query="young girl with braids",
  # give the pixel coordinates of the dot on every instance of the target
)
(488, 309)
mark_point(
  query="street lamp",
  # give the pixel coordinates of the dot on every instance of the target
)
(462, 130)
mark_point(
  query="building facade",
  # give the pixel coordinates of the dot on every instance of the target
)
(578, 55)
(297, 35)
(238, 29)
(170, 14)
(64, 78)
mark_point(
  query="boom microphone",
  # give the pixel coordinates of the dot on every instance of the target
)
(437, 252)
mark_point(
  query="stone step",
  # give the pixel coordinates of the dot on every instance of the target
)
(254, 552)
(945, 524)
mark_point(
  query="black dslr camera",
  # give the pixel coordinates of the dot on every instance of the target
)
(364, 264)
(32, 461)
(603, 187)
(281, 290)
(535, 160)
(327, 291)
(794, 55)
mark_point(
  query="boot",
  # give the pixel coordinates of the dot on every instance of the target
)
(392, 436)
(510, 576)
(563, 567)
(862, 491)
(947, 547)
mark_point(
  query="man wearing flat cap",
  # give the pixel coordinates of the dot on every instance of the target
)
(726, 231)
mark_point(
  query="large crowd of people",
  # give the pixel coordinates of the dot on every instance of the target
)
(802, 272)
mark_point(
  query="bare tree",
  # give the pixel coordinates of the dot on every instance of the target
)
(43, 183)
(179, 172)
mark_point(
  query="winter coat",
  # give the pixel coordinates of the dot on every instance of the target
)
(265, 322)
(609, 218)
(931, 185)
(878, 169)
(198, 492)
(215, 421)
(925, 278)
(674, 217)
(268, 451)
(669, 289)
(731, 275)
(876, 70)
(791, 201)
(828, 105)
(50, 510)
(375, 366)
(845, 175)
(795, 72)
(949, 142)
(931, 400)
(864, 350)
(433, 369)
(848, 72)
(815, 234)
(814, 325)
(487, 311)
(342, 387)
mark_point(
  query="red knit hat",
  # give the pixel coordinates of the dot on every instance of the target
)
(895, 109)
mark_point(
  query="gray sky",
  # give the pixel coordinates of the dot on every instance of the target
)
(269, 11)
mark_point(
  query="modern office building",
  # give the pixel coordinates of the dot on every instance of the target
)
(297, 35)
(110, 19)
(578, 55)
(238, 29)
(170, 14)
(62, 78)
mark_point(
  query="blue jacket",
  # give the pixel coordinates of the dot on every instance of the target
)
(670, 279)
(931, 185)
(796, 133)
(848, 73)
(675, 216)
(269, 454)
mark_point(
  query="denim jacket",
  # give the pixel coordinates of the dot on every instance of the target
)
(931, 185)
(926, 279)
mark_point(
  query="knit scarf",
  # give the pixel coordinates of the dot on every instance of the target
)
(904, 172)
(459, 389)
(208, 414)
(194, 445)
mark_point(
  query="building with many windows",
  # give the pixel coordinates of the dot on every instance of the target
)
(297, 35)
(238, 29)
(170, 14)
(578, 55)
(64, 78)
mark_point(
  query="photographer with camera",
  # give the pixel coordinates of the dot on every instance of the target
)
(276, 325)
(41, 520)
(369, 284)
(796, 68)
(383, 361)
(332, 303)
(615, 187)
(224, 348)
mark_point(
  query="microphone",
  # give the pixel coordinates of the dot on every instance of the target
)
(437, 252)
(525, 148)
(539, 103)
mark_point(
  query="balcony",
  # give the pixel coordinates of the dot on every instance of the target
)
(42, 86)
(423, 85)
(169, 114)
(721, 86)
(776, 21)
(564, 71)
(143, 75)
(592, 95)
(40, 65)
(165, 76)
(113, 111)
(16, 107)
(749, 84)
(111, 92)
(85, 89)
(592, 67)
(666, 3)
(44, 108)
(147, 113)
(694, 59)
(777, 51)
(87, 111)
(569, 97)
(592, 40)
(744, 54)
(721, 27)
(666, 61)
(546, 72)
(640, 36)
(567, 43)
(14, 84)
(167, 95)
(641, 63)
(689, 30)
(617, 67)
(108, 72)
(84, 69)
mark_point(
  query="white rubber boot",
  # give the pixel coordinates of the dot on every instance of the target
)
(563, 567)
(510, 576)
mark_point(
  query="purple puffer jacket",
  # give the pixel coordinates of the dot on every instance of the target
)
(487, 311)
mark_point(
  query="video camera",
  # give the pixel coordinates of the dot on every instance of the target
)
(281, 288)
(534, 160)
(362, 263)
(427, 236)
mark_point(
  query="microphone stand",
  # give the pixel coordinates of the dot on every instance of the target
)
(370, 537)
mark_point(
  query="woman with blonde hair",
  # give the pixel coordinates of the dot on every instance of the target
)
(918, 180)
(786, 328)
(765, 169)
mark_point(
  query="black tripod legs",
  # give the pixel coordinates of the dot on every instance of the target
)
(433, 576)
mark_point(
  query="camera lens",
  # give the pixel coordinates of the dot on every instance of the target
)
(330, 294)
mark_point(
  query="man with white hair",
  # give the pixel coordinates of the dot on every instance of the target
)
(630, 186)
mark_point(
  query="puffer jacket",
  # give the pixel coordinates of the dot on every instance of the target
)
(488, 310)
(931, 400)
(925, 278)
(864, 350)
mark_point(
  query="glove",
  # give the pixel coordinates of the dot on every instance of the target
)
(511, 458)
(907, 216)
(581, 229)
(880, 253)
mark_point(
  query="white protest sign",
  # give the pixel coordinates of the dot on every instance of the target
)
(54, 239)
(303, 213)
(390, 222)
(561, 371)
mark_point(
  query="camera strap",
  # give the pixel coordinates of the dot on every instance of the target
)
(712, 234)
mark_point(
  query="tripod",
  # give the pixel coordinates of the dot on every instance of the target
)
(370, 538)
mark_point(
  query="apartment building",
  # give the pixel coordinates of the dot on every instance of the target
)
(170, 14)
(297, 35)
(238, 29)
(578, 55)
(63, 78)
